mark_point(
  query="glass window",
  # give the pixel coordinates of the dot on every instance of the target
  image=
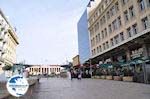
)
(110, 29)
(148, 3)
(121, 36)
(103, 35)
(112, 42)
(135, 29)
(99, 38)
(104, 46)
(117, 6)
(113, 11)
(131, 11)
(97, 49)
(94, 51)
(107, 45)
(145, 22)
(126, 15)
(100, 49)
(141, 4)
(114, 23)
(124, 2)
(108, 15)
(129, 32)
(96, 39)
(116, 39)
(105, 32)
(119, 21)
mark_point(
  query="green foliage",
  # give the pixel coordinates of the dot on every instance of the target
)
(7, 67)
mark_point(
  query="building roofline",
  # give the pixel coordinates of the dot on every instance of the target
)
(11, 30)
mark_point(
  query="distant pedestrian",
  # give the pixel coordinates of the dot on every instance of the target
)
(72, 74)
(79, 76)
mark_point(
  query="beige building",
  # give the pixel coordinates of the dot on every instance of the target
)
(119, 30)
(44, 69)
(76, 60)
(8, 42)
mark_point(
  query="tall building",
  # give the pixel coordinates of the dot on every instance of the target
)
(119, 30)
(83, 38)
(8, 42)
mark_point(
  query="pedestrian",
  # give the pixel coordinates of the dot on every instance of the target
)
(79, 76)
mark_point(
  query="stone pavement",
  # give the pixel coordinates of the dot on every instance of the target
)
(57, 88)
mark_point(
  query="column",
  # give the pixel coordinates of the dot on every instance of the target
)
(128, 55)
(145, 50)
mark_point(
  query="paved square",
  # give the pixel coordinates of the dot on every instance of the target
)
(57, 88)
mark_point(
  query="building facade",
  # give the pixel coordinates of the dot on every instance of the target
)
(8, 42)
(76, 61)
(119, 30)
(83, 38)
(44, 69)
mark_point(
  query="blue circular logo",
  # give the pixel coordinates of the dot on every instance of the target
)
(17, 85)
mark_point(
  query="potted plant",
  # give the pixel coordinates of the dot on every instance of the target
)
(104, 73)
(109, 74)
(128, 75)
(117, 74)
(98, 73)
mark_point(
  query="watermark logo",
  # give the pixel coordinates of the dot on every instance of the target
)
(17, 85)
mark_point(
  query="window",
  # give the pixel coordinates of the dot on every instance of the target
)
(124, 2)
(106, 2)
(131, 11)
(100, 49)
(121, 36)
(103, 35)
(116, 39)
(112, 42)
(99, 38)
(94, 51)
(105, 32)
(113, 11)
(110, 29)
(148, 3)
(114, 23)
(135, 30)
(117, 6)
(141, 4)
(93, 41)
(107, 45)
(96, 39)
(108, 15)
(119, 21)
(145, 23)
(103, 20)
(129, 32)
(104, 46)
(126, 15)
(97, 49)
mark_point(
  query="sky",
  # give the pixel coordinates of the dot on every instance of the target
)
(47, 29)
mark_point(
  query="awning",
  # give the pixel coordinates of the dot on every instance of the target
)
(136, 61)
(106, 65)
(122, 64)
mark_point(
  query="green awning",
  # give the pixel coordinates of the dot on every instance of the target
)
(122, 64)
(106, 65)
(147, 59)
(136, 61)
